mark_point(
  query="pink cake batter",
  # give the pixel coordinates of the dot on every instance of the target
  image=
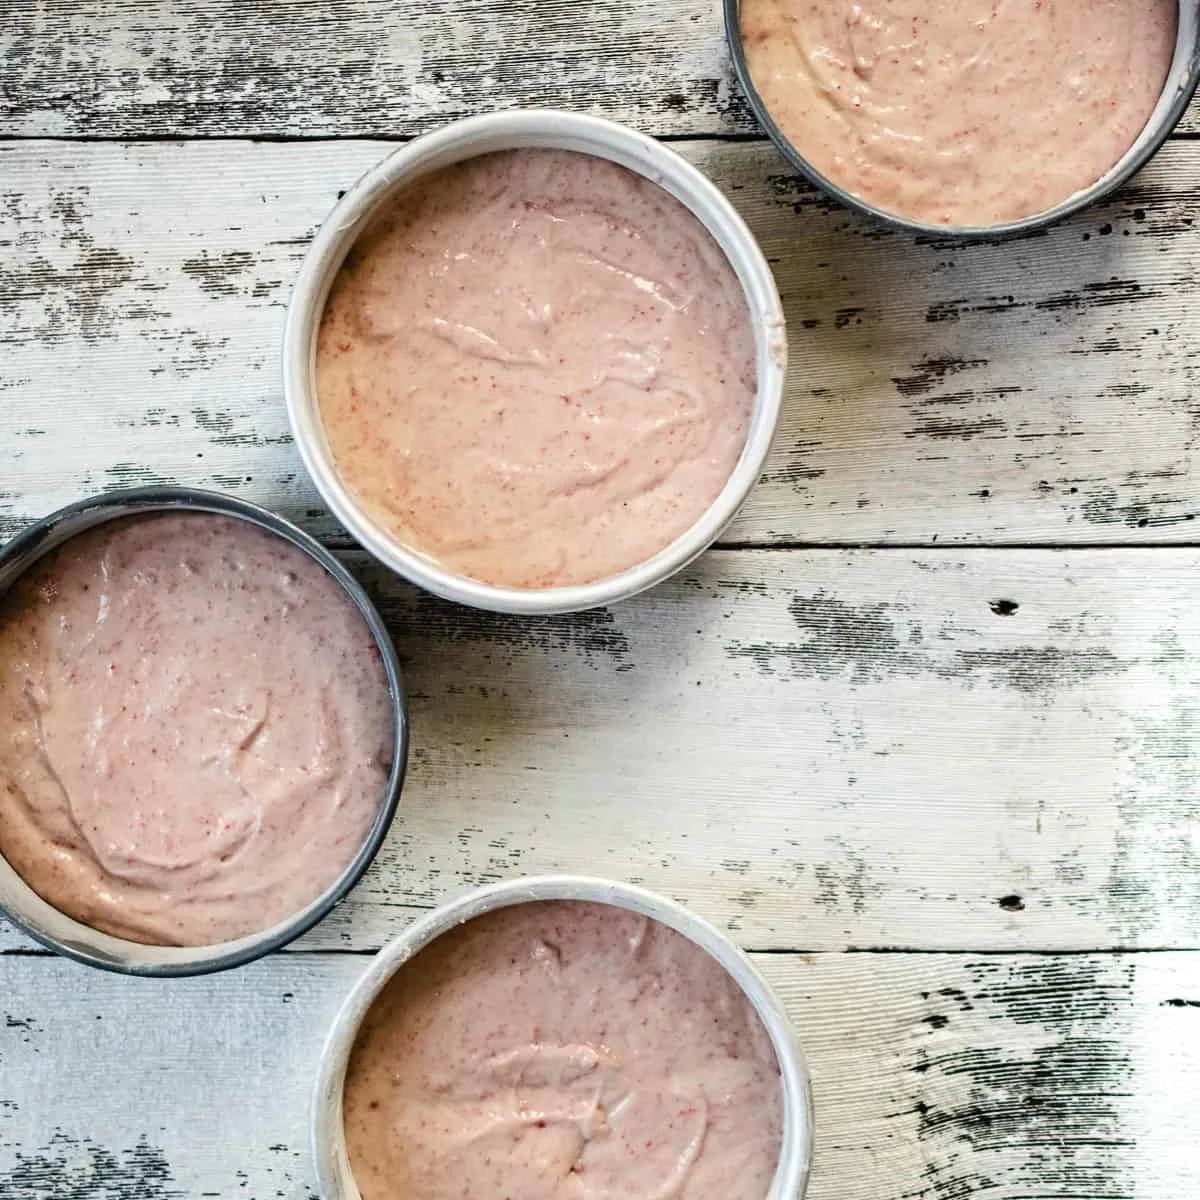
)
(195, 728)
(968, 112)
(563, 1051)
(536, 368)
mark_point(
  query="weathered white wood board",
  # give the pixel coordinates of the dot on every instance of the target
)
(1038, 391)
(356, 67)
(943, 750)
(935, 1076)
(115, 68)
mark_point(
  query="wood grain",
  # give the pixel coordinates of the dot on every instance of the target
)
(1040, 391)
(356, 67)
(170, 68)
(935, 1077)
(823, 749)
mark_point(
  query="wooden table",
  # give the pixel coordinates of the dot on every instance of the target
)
(922, 732)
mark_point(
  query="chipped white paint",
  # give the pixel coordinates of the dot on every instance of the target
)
(934, 1076)
(1037, 391)
(359, 66)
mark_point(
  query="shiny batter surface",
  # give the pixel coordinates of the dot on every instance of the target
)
(195, 728)
(563, 1050)
(969, 112)
(536, 368)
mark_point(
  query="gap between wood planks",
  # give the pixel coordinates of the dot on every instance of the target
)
(316, 139)
(934, 546)
(869, 951)
(398, 139)
(285, 139)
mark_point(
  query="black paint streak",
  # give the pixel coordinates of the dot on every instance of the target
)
(850, 881)
(57, 282)
(339, 69)
(73, 297)
(10, 523)
(153, 417)
(955, 310)
(219, 274)
(963, 414)
(1039, 1120)
(252, 439)
(1103, 294)
(937, 428)
(931, 373)
(1068, 991)
(1156, 864)
(1105, 507)
(801, 196)
(1178, 1003)
(212, 422)
(596, 634)
(66, 1169)
(124, 475)
(856, 634)
(836, 636)
(1034, 669)
(796, 472)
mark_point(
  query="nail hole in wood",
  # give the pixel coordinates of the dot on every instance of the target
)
(1011, 903)
(1004, 608)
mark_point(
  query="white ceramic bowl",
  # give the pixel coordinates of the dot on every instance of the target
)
(329, 1141)
(505, 131)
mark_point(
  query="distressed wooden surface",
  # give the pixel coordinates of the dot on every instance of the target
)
(1040, 391)
(954, 755)
(355, 67)
(293, 68)
(935, 1077)
(940, 750)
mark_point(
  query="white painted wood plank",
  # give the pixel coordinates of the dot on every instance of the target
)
(1024, 1077)
(113, 68)
(935, 1076)
(358, 66)
(822, 749)
(1039, 391)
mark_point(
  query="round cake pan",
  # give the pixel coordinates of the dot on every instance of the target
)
(54, 929)
(1177, 93)
(328, 1137)
(545, 129)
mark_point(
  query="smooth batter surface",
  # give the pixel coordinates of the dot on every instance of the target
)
(968, 112)
(563, 1051)
(537, 369)
(195, 728)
